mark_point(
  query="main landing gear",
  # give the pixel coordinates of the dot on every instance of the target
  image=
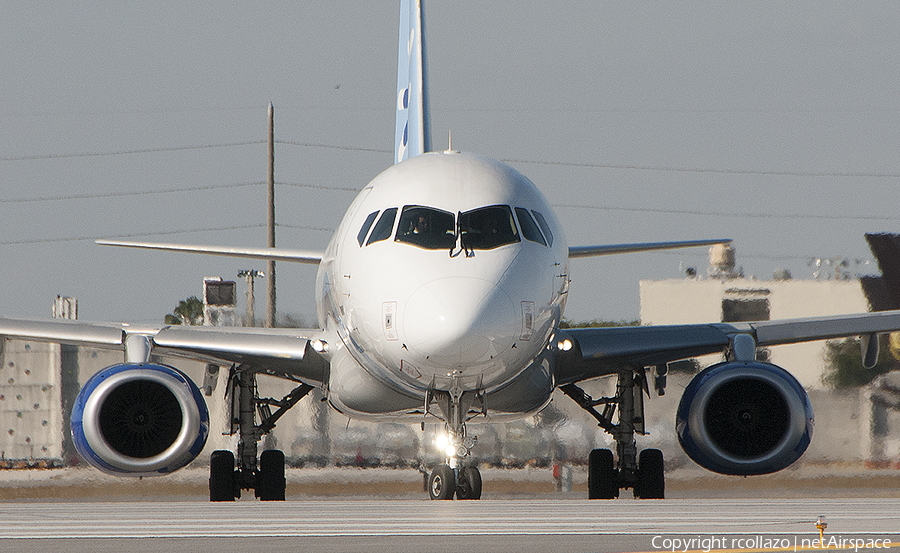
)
(265, 477)
(455, 476)
(644, 474)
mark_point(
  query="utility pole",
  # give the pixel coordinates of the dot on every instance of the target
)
(270, 268)
(249, 275)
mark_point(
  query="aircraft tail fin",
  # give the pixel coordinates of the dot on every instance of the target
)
(412, 135)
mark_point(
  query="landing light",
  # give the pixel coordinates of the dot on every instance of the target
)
(564, 345)
(320, 346)
(442, 442)
(450, 451)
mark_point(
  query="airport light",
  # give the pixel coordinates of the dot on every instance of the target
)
(250, 275)
(821, 525)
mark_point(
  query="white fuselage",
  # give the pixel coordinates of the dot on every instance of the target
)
(447, 267)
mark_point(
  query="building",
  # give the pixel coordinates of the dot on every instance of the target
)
(734, 298)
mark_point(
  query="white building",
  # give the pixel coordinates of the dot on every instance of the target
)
(727, 297)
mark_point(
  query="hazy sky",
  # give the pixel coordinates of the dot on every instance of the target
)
(776, 124)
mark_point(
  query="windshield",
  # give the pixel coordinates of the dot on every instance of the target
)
(383, 227)
(487, 228)
(361, 237)
(426, 227)
(544, 226)
(529, 229)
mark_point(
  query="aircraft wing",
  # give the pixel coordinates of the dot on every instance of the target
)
(279, 351)
(610, 249)
(274, 254)
(592, 352)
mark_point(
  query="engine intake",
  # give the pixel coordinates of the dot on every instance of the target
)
(744, 418)
(139, 420)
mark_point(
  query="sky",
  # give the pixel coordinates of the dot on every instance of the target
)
(775, 124)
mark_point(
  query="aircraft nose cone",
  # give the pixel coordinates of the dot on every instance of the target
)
(459, 322)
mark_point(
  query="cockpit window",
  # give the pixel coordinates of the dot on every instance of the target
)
(487, 228)
(361, 237)
(384, 226)
(529, 230)
(544, 226)
(426, 227)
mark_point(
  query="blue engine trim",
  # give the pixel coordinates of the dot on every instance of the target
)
(96, 451)
(790, 437)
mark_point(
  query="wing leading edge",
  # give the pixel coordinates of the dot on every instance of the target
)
(279, 351)
(592, 352)
(274, 254)
(610, 249)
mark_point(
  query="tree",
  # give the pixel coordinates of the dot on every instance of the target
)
(189, 311)
(596, 323)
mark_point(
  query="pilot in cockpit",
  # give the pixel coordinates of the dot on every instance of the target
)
(421, 226)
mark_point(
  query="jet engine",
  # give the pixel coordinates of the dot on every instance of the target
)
(744, 418)
(139, 420)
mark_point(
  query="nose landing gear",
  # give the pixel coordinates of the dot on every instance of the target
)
(468, 483)
(455, 476)
(442, 483)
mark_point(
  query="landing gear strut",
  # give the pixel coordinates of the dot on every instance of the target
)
(455, 476)
(643, 474)
(265, 477)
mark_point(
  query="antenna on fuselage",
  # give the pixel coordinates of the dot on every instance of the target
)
(450, 149)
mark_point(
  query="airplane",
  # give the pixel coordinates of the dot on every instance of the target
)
(440, 297)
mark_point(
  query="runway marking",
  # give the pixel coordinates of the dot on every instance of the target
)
(325, 518)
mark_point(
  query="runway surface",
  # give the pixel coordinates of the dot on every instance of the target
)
(374, 525)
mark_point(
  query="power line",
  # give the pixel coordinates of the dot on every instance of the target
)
(304, 227)
(119, 194)
(167, 191)
(332, 147)
(633, 167)
(707, 170)
(132, 235)
(126, 152)
(155, 233)
(858, 174)
(318, 186)
(746, 215)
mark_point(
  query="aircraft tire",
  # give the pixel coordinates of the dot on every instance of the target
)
(651, 478)
(469, 485)
(221, 476)
(270, 481)
(442, 483)
(602, 476)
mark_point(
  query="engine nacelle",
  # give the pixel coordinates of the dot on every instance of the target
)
(139, 420)
(744, 418)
